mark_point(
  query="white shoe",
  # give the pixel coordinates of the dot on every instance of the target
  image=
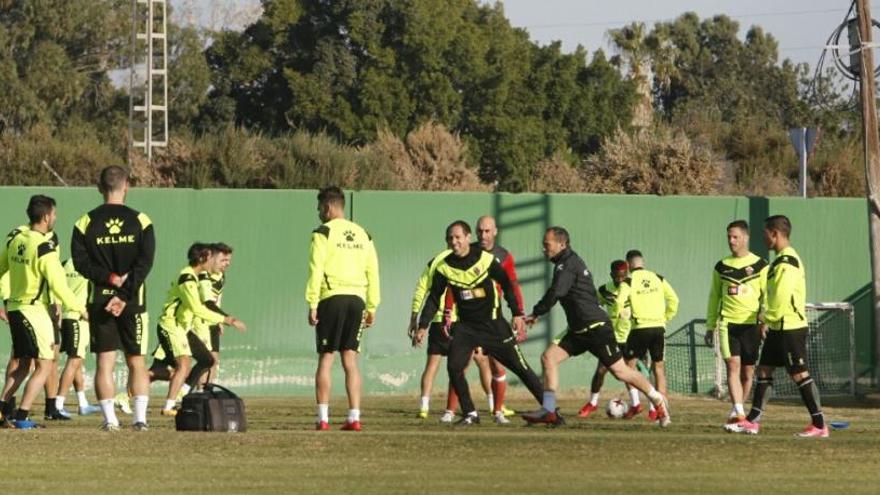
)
(123, 403)
(500, 419)
(448, 417)
(65, 413)
(109, 427)
(89, 410)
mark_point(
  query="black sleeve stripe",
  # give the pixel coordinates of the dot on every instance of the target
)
(186, 277)
(204, 276)
(323, 230)
(45, 248)
(368, 235)
(789, 260)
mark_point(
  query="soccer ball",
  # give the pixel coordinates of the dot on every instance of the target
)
(615, 409)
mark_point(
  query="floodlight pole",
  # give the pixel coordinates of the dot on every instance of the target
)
(867, 87)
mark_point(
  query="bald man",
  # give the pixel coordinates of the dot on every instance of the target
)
(492, 374)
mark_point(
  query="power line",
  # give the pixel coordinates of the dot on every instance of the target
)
(733, 16)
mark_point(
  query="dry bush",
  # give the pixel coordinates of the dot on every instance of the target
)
(556, 175)
(838, 169)
(652, 161)
(431, 159)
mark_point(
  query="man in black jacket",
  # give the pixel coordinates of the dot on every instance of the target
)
(589, 328)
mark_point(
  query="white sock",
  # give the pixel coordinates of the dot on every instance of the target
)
(140, 408)
(549, 400)
(354, 415)
(184, 389)
(81, 398)
(491, 399)
(107, 408)
(655, 396)
(651, 407)
(738, 410)
(634, 396)
(425, 401)
(324, 412)
(594, 399)
(59, 402)
(169, 404)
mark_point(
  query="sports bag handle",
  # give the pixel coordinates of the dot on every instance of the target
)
(211, 386)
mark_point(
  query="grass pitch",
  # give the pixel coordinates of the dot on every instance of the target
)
(397, 453)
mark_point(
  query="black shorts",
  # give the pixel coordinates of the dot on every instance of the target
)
(215, 337)
(437, 342)
(744, 340)
(785, 348)
(73, 338)
(57, 331)
(644, 341)
(598, 340)
(340, 324)
(31, 329)
(128, 331)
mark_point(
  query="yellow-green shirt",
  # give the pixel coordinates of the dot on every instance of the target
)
(786, 292)
(32, 261)
(342, 260)
(183, 303)
(424, 284)
(210, 291)
(80, 288)
(739, 286)
(652, 299)
(618, 313)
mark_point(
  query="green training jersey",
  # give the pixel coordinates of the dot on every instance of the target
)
(652, 299)
(80, 288)
(739, 286)
(32, 261)
(342, 260)
(183, 303)
(4, 287)
(618, 313)
(786, 292)
(424, 284)
(211, 292)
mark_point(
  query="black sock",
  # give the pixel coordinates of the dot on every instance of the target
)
(50, 406)
(3, 406)
(22, 414)
(810, 395)
(759, 400)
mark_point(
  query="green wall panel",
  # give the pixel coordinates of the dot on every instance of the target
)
(681, 238)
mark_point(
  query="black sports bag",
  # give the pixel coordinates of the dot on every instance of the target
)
(215, 408)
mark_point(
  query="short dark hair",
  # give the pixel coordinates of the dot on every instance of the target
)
(112, 179)
(633, 254)
(618, 266)
(221, 247)
(198, 253)
(331, 195)
(460, 223)
(38, 207)
(779, 223)
(739, 224)
(560, 234)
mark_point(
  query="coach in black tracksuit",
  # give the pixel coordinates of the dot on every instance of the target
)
(589, 328)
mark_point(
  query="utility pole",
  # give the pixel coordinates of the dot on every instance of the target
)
(867, 89)
(148, 80)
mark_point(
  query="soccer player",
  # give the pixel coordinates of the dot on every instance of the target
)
(588, 329)
(471, 275)
(113, 247)
(211, 285)
(74, 341)
(32, 260)
(177, 342)
(487, 232)
(438, 341)
(8, 407)
(619, 322)
(653, 303)
(342, 293)
(785, 344)
(739, 285)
